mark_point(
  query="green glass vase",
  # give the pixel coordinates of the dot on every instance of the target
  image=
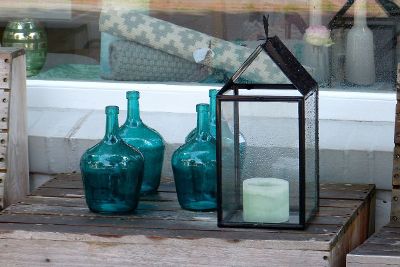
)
(112, 171)
(147, 140)
(30, 35)
(212, 120)
(195, 168)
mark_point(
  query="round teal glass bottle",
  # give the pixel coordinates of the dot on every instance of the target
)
(212, 93)
(147, 140)
(112, 171)
(195, 167)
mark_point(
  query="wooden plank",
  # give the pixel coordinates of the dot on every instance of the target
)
(330, 216)
(396, 164)
(122, 232)
(200, 229)
(80, 202)
(382, 249)
(2, 179)
(60, 249)
(4, 116)
(160, 220)
(353, 236)
(395, 205)
(395, 211)
(3, 150)
(71, 184)
(65, 203)
(5, 66)
(17, 182)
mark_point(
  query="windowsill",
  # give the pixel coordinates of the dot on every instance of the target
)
(182, 98)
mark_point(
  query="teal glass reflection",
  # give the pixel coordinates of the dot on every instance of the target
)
(212, 93)
(194, 167)
(29, 34)
(147, 140)
(112, 171)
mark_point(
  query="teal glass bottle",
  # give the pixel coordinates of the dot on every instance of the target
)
(147, 140)
(212, 93)
(112, 171)
(194, 167)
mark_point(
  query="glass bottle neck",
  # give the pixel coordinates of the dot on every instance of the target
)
(360, 13)
(203, 128)
(213, 108)
(133, 117)
(112, 128)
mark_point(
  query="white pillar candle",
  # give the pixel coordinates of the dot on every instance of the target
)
(315, 12)
(265, 200)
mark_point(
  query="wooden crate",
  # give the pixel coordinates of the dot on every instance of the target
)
(14, 166)
(53, 225)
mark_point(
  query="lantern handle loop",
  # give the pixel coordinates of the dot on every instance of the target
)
(265, 20)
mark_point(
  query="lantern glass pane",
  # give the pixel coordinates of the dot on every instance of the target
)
(263, 71)
(311, 157)
(230, 203)
(270, 92)
(257, 146)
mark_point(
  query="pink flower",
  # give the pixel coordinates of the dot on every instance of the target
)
(318, 35)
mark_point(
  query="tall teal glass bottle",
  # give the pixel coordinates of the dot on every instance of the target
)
(112, 171)
(194, 167)
(213, 128)
(212, 93)
(148, 141)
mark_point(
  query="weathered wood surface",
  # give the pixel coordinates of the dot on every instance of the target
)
(17, 180)
(395, 210)
(54, 225)
(381, 249)
(14, 166)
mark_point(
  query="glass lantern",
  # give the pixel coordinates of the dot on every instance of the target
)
(274, 182)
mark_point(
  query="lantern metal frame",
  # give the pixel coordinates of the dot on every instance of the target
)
(300, 80)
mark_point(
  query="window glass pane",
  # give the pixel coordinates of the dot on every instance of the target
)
(203, 41)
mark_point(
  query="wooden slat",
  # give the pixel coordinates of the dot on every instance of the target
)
(327, 216)
(17, 182)
(395, 205)
(396, 165)
(382, 249)
(395, 212)
(83, 250)
(5, 64)
(2, 179)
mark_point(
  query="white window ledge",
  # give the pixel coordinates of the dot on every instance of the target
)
(182, 98)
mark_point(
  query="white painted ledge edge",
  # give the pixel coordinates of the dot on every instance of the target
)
(182, 98)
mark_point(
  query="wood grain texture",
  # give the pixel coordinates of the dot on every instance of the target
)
(17, 182)
(53, 223)
(395, 212)
(61, 249)
(381, 249)
(395, 205)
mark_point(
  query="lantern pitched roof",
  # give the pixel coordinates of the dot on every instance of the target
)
(276, 50)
